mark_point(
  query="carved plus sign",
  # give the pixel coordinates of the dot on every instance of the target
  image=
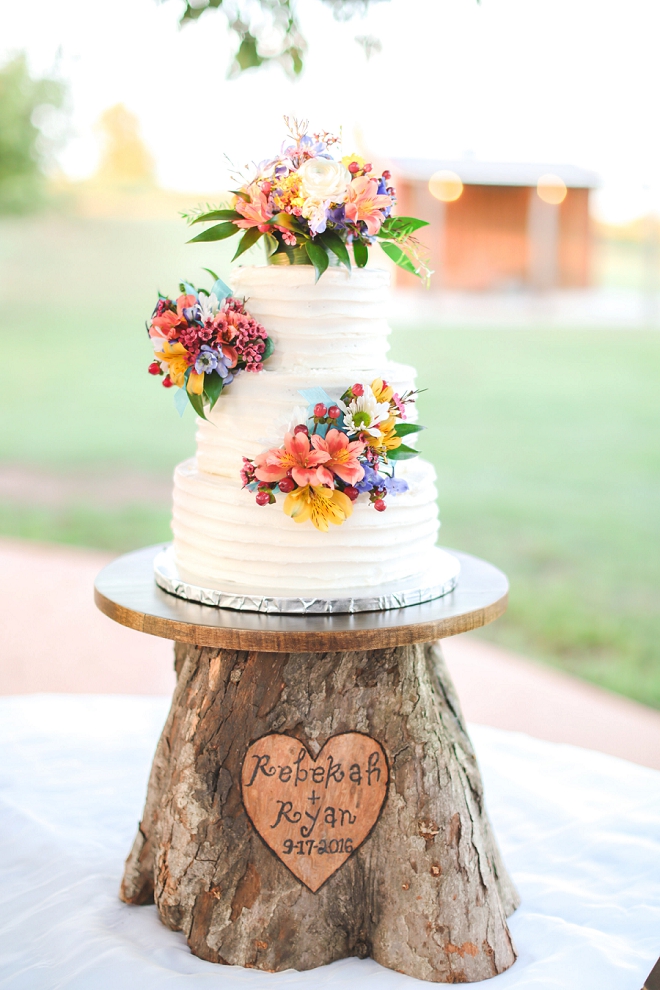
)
(314, 798)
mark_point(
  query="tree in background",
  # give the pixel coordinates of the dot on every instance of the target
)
(125, 161)
(28, 108)
(268, 30)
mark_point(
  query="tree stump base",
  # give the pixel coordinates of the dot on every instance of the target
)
(402, 866)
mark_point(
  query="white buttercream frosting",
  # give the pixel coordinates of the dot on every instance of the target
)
(330, 334)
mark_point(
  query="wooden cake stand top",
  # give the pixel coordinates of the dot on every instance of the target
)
(126, 591)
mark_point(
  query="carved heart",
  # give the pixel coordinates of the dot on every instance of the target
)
(314, 813)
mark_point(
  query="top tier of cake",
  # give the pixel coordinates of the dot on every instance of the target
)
(329, 333)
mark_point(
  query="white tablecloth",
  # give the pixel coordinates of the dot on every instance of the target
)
(580, 832)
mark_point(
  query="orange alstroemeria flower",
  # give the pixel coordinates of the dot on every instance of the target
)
(365, 204)
(344, 455)
(297, 458)
(185, 302)
(255, 214)
(166, 326)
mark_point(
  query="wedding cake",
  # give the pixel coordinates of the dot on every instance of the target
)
(325, 424)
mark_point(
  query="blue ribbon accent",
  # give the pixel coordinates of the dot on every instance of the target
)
(181, 400)
(220, 290)
(190, 290)
(316, 394)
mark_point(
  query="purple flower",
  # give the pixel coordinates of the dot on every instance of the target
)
(383, 191)
(337, 216)
(207, 360)
(395, 486)
(371, 480)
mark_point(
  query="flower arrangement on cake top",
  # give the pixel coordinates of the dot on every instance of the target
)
(345, 448)
(309, 207)
(202, 340)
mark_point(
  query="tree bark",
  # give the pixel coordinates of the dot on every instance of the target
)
(426, 894)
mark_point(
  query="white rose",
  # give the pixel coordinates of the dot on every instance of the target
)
(324, 179)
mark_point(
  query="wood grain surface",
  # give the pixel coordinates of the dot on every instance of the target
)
(126, 591)
(314, 813)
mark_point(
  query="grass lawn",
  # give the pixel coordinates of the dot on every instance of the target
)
(545, 442)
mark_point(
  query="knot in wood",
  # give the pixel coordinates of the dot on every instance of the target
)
(427, 828)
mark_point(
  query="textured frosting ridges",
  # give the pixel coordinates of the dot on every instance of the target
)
(331, 334)
(219, 530)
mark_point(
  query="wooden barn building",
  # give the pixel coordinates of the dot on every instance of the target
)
(498, 226)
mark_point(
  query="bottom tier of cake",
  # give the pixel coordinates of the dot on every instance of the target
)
(221, 535)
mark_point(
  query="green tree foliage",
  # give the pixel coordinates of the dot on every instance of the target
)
(268, 30)
(25, 106)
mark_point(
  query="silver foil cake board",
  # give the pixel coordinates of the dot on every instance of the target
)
(438, 577)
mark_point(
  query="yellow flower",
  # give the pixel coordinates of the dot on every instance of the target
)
(195, 383)
(289, 192)
(319, 504)
(175, 356)
(382, 391)
(387, 439)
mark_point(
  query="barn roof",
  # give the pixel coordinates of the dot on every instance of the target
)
(477, 173)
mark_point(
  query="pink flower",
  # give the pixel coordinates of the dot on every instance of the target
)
(287, 236)
(343, 455)
(365, 204)
(297, 459)
(401, 409)
(257, 213)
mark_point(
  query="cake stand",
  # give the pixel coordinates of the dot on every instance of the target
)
(314, 794)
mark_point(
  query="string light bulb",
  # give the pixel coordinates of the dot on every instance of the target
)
(445, 185)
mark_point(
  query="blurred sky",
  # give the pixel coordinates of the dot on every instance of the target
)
(510, 80)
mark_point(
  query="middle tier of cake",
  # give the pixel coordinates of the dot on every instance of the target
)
(261, 408)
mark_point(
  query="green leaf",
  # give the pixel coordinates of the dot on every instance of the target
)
(197, 402)
(271, 244)
(401, 259)
(218, 215)
(402, 453)
(217, 233)
(403, 429)
(318, 256)
(212, 388)
(334, 243)
(250, 237)
(285, 220)
(268, 350)
(241, 195)
(247, 56)
(360, 253)
(211, 273)
(404, 223)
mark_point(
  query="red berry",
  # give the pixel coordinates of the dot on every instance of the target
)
(287, 485)
(262, 498)
(154, 368)
(367, 168)
(353, 168)
(351, 492)
(301, 429)
(379, 505)
(320, 410)
(358, 389)
(334, 412)
(167, 382)
(387, 174)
